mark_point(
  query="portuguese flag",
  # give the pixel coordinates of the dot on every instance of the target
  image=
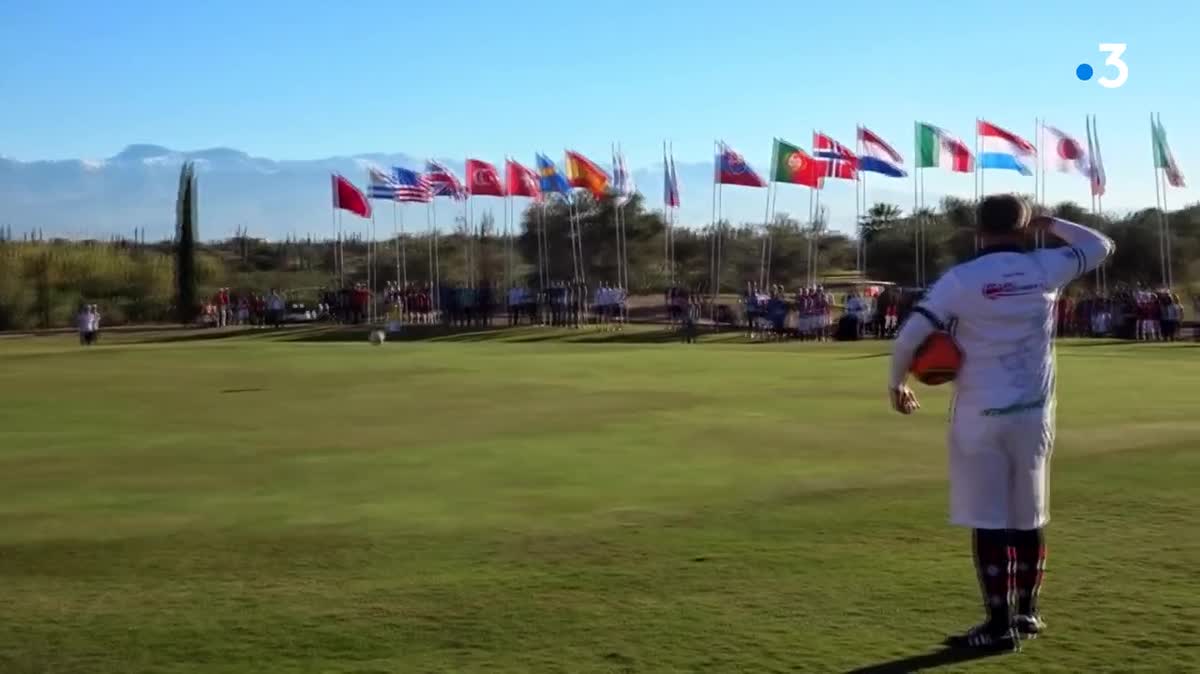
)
(793, 165)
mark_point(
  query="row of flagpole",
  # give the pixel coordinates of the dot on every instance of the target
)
(1166, 173)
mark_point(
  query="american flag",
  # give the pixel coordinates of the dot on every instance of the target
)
(412, 186)
(840, 161)
(443, 181)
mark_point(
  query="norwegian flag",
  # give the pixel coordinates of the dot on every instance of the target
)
(840, 162)
(443, 181)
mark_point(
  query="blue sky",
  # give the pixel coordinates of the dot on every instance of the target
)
(305, 79)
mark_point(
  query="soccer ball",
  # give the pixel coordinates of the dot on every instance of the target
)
(376, 337)
(937, 360)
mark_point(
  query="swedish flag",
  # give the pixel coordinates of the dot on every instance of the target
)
(551, 180)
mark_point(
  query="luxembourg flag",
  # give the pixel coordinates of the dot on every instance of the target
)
(875, 155)
(1001, 149)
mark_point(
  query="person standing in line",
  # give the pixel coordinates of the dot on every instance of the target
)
(1000, 308)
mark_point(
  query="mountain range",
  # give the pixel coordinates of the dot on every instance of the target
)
(136, 188)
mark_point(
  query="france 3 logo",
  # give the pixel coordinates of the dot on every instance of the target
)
(1114, 50)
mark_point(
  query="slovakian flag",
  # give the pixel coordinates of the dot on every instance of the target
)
(876, 156)
(792, 165)
(731, 169)
(521, 182)
(483, 179)
(443, 181)
(1003, 149)
(349, 198)
(670, 183)
(623, 185)
(839, 161)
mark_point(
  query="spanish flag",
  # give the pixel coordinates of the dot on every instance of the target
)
(583, 172)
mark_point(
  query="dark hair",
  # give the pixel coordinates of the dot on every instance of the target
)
(1003, 214)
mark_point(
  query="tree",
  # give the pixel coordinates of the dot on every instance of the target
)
(186, 304)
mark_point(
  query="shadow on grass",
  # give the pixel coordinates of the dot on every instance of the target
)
(206, 335)
(924, 661)
(498, 334)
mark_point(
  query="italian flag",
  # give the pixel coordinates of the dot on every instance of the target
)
(938, 149)
(1163, 158)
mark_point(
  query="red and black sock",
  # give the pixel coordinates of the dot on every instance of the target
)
(1029, 546)
(992, 565)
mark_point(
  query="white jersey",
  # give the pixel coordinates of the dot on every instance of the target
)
(1000, 307)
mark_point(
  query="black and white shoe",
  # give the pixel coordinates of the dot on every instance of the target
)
(986, 638)
(1029, 626)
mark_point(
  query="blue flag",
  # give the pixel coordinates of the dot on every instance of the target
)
(551, 180)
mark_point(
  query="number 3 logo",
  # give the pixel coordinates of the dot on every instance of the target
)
(1114, 50)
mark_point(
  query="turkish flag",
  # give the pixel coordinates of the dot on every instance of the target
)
(521, 181)
(348, 197)
(483, 179)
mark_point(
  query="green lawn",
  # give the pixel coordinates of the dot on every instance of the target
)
(544, 504)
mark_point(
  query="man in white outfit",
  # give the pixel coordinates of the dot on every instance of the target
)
(1000, 309)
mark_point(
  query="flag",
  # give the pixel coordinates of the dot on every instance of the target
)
(937, 148)
(1096, 166)
(443, 181)
(733, 170)
(793, 165)
(348, 197)
(411, 186)
(1163, 158)
(521, 182)
(1001, 149)
(876, 156)
(380, 185)
(622, 180)
(483, 179)
(839, 161)
(1069, 153)
(552, 182)
(583, 172)
(670, 183)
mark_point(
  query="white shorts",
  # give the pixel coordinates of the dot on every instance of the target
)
(1000, 468)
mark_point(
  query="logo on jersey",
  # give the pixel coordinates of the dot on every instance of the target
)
(1009, 289)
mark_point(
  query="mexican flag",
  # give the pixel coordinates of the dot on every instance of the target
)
(795, 166)
(938, 149)
(1163, 158)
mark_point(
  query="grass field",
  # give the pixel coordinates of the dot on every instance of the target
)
(542, 504)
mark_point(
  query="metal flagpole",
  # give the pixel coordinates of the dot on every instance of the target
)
(771, 238)
(858, 206)
(1037, 170)
(917, 170)
(396, 233)
(763, 256)
(1168, 238)
(866, 207)
(616, 215)
(712, 243)
(674, 210)
(1158, 202)
(337, 265)
(978, 177)
(666, 217)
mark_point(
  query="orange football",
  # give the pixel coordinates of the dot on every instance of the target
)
(937, 360)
